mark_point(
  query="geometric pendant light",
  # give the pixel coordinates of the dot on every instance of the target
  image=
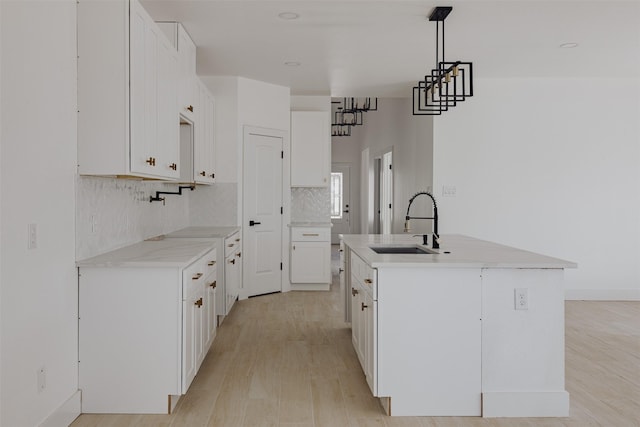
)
(447, 84)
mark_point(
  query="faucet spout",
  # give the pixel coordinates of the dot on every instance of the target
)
(436, 236)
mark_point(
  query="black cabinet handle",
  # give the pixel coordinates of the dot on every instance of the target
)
(252, 223)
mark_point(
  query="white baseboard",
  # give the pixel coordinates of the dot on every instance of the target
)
(525, 404)
(602, 294)
(310, 286)
(65, 414)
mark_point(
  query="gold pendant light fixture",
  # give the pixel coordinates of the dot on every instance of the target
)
(447, 84)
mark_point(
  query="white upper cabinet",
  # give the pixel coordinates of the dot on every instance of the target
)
(127, 93)
(187, 100)
(204, 143)
(310, 148)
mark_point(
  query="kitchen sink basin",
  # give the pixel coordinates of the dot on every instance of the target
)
(398, 249)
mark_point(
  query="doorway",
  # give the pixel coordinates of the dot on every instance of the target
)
(262, 211)
(383, 193)
(341, 208)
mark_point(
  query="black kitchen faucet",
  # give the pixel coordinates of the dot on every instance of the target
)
(436, 236)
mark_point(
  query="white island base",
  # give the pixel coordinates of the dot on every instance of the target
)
(444, 334)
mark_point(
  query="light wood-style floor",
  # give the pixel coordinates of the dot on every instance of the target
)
(287, 360)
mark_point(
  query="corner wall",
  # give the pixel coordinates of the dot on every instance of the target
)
(550, 166)
(38, 162)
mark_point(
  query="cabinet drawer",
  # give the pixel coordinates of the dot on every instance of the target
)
(310, 234)
(363, 272)
(210, 261)
(231, 243)
(196, 273)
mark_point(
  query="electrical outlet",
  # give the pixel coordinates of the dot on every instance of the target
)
(521, 299)
(32, 242)
(42, 378)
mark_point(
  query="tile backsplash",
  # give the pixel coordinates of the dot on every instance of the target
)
(310, 204)
(112, 213)
(214, 205)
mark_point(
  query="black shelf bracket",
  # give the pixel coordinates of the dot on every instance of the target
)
(157, 198)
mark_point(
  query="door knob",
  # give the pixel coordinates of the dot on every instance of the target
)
(252, 223)
(347, 211)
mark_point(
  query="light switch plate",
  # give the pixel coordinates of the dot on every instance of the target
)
(448, 191)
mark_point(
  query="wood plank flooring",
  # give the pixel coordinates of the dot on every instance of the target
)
(287, 360)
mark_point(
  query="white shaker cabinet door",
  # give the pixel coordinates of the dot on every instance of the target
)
(310, 148)
(168, 126)
(143, 83)
(310, 262)
(203, 159)
(187, 99)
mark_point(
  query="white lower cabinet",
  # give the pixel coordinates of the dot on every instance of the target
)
(417, 334)
(232, 271)
(310, 255)
(143, 332)
(210, 295)
(363, 319)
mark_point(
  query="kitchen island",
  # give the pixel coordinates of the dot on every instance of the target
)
(471, 329)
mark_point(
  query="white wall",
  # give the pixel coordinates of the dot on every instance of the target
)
(551, 166)
(346, 149)
(410, 137)
(38, 154)
(243, 102)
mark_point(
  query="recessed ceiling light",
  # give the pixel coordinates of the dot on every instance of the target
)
(288, 15)
(569, 45)
(292, 63)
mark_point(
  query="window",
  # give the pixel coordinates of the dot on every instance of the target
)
(336, 195)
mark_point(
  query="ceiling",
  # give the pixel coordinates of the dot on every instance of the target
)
(381, 48)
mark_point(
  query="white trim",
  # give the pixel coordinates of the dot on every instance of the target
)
(602, 294)
(525, 404)
(310, 286)
(65, 414)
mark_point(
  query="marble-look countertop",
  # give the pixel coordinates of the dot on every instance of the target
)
(203, 232)
(310, 224)
(159, 253)
(456, 251)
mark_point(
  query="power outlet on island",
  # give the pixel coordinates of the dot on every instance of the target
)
(521, 299)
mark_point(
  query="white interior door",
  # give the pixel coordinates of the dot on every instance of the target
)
(262, 217)
(386, 194)
(341, 209)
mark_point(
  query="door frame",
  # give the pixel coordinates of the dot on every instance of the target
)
(377, 164)
(286, 199)
(352, 212)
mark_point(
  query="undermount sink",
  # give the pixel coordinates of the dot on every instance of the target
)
(399, 249)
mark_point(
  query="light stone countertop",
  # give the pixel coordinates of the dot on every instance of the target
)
(161, 253)
(310, 224)
(464, 252)
(203, 232)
